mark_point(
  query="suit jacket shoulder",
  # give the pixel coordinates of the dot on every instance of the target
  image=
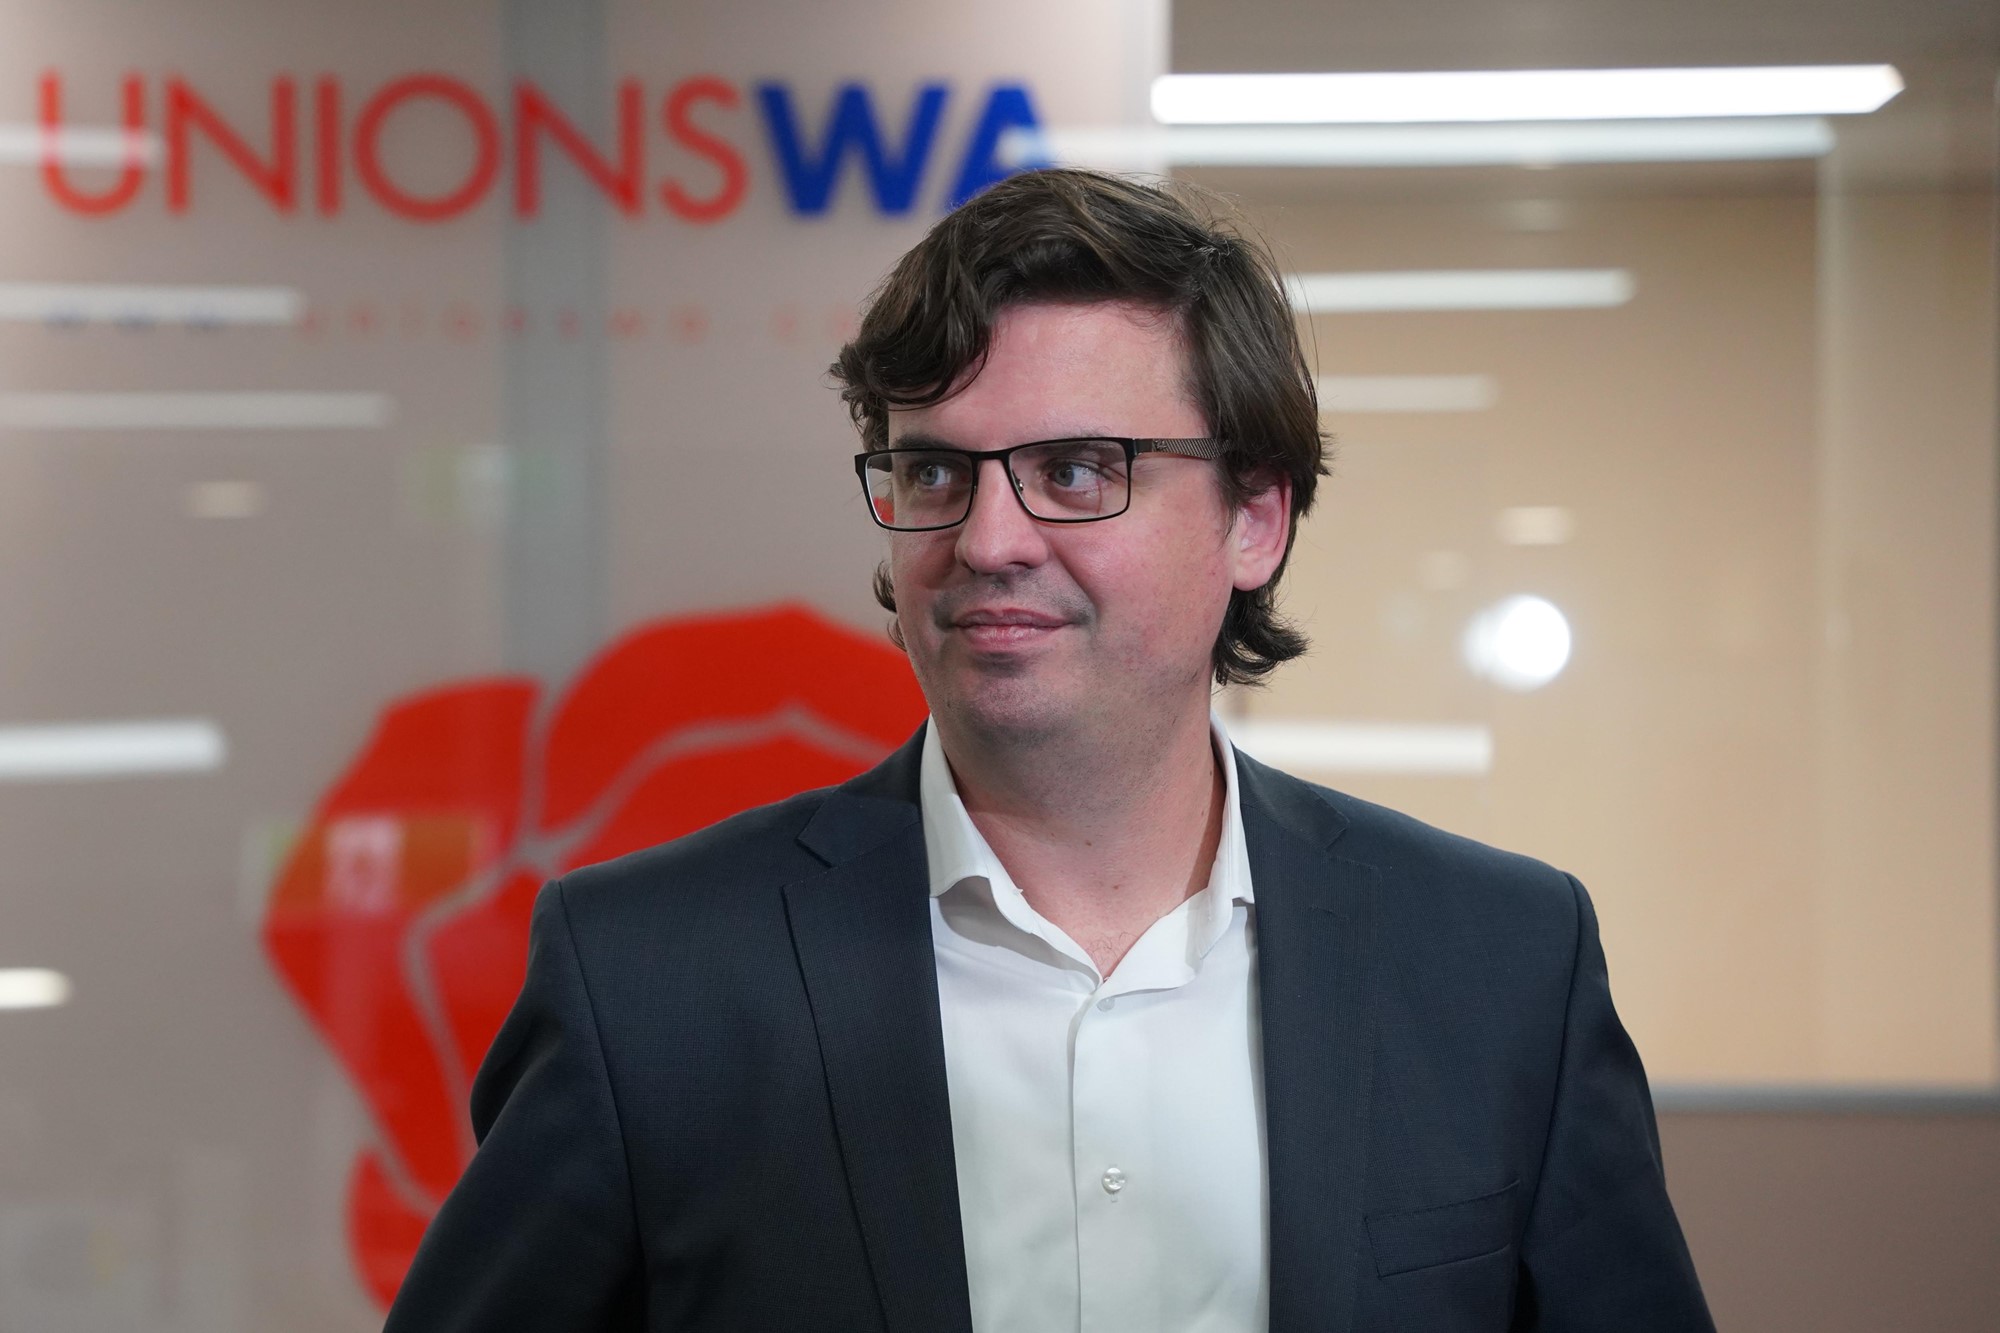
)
(668, 1053)
(1509, 1164)
(1445, 879)
(744, 862)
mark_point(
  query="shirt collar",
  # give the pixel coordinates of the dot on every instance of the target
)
(956, 850)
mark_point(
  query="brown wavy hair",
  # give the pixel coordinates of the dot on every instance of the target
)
(1072, 236)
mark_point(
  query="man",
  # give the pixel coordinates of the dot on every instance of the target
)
(1067, 1016)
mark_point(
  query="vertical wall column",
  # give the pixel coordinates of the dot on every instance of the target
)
(1906, 514)
(555, 410)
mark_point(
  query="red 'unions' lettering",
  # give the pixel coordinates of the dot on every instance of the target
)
(277, 180)
(368, 133)
(326, 144)
(680, 124)
(272, 168)
(534, 112)
(131, 175)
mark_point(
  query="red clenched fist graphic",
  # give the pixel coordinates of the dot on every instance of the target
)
(400, 920)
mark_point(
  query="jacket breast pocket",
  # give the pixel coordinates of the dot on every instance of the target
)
(1427, 1237)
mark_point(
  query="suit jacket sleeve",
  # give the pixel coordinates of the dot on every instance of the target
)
(1602, 1248)
(539, 1233)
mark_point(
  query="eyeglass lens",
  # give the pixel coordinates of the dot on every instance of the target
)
(1062, 481)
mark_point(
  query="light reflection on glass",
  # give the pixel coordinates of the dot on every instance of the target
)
(1521, 643)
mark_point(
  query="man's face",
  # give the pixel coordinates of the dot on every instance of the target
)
(1020, 629)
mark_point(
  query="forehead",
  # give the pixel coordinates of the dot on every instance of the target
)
(1104, 368)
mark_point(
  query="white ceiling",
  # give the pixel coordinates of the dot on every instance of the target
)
(1941, 131)
(1454, 34)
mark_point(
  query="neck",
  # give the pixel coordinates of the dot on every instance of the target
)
(1105, 836)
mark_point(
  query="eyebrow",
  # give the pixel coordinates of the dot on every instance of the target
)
(922, 439)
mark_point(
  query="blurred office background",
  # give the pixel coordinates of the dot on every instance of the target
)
(418, 475)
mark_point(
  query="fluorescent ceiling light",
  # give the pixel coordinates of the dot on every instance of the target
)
(77, 146)
(120, 303)
(1439, 750)
(1535, 525)
(1351, 146)
(1404, 393)
(225, 499)
(109, 749)
(1521, 94)
(176, 410)
(1462, 289)
(32, 988)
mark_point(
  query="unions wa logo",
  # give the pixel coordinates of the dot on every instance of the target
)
(682, 150)
(399, 922)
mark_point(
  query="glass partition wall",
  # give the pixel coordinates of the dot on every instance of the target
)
(376, 396)
(1660, 544)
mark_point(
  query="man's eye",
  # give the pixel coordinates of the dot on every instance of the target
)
(1074, 473)
(932, 474)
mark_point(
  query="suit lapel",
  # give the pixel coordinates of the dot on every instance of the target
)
(1315, 921)
(862, 932)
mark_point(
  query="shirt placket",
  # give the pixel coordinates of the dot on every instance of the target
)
(1114, 1168)
(1109, 1169)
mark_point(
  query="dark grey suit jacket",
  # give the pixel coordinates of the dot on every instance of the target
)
(720, 1101)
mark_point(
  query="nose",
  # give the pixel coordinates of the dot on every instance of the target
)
(998, 533)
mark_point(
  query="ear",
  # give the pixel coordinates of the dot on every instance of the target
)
(1258, 537)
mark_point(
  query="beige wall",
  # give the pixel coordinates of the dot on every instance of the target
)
(1771, 755)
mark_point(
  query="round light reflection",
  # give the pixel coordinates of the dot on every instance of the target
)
(1521, 643)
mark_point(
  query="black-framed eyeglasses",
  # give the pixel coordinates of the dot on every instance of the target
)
(1081, 480)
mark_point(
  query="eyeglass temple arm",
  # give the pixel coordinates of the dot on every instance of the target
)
(1186, 448)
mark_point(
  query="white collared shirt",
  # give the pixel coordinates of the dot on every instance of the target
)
(1109, 1132)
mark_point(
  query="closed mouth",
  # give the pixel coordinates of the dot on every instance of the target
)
(1007, 620)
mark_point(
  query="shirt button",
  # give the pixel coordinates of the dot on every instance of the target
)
(1113, 1181)
(1106, 1003)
